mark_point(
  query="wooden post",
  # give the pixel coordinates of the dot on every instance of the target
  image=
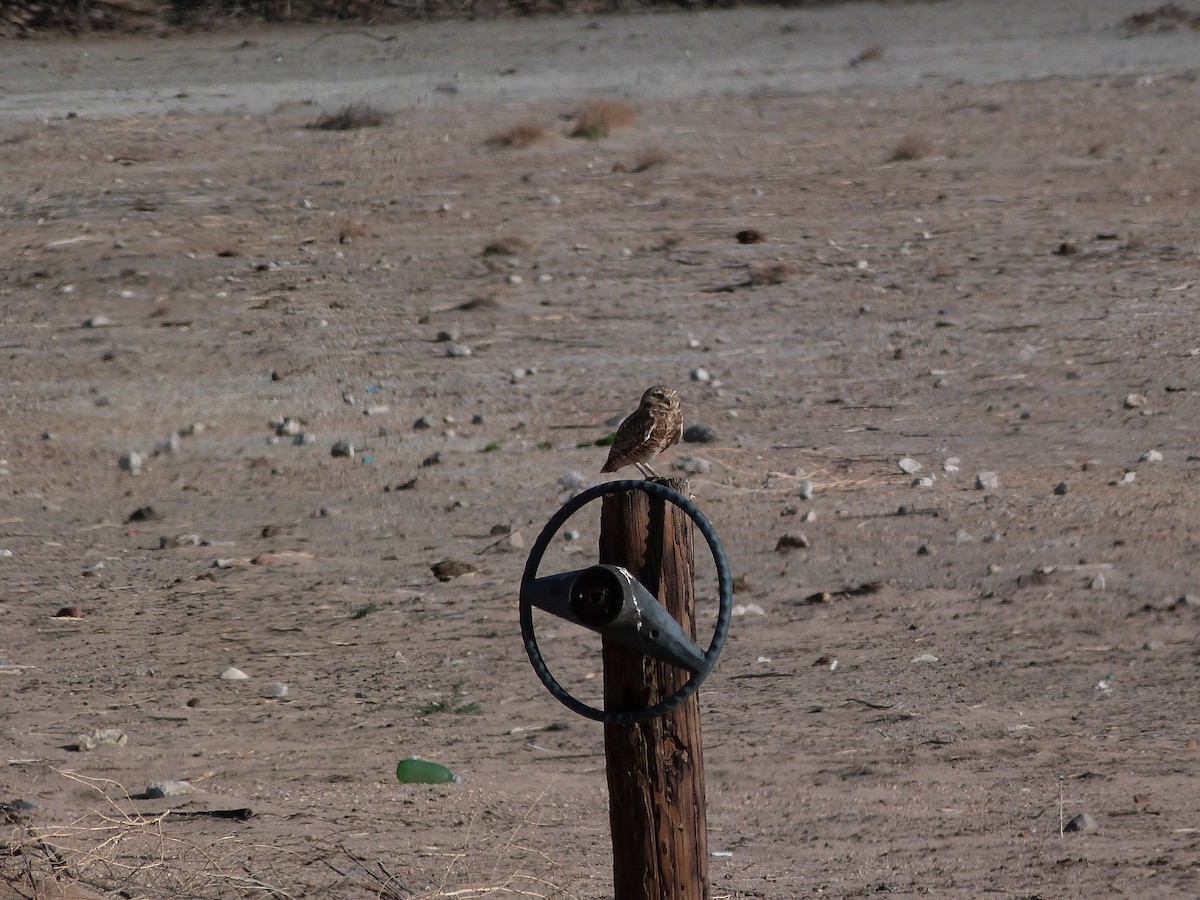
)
(655, 770)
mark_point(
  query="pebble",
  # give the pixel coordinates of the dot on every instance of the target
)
(806, 489)
(234, 674)
(1151, 456)
(1134, 401)
(909, 466)
(699, 434)
(304, 439)
(170, 542)
(951, 464)
(169, 444)
(747, 609)
(349, 399)
(131, 462)
(449, 569)
(160, 789)
(1082, 823)
(692, 465)
(423, 423)
(500, 529)
(448, 335)
(1098, 583)
(98, 322)
(925, 658)
(923, 481)
(477, 419)
(572, 481)
(571, 534)
(342, 448)
(458, 350)
(1061, 488)
(69, 612)
(701, 375)
(1188, 601)
(986, 481)
(288, 427)
(114, 736)
(277, 689)
(791, 540)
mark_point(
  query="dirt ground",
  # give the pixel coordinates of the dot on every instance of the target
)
(1017, 299)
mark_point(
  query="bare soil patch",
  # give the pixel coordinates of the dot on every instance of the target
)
(907, 739)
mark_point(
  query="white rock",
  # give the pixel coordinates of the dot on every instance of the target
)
(1151, 456)
(925, 658)
(234, 674)
(986, 481)
(909, 466)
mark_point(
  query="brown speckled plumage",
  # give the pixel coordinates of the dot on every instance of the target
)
(650, 429)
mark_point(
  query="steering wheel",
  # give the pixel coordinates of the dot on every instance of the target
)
(720, 632)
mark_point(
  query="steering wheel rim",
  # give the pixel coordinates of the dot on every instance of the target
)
(724, 613)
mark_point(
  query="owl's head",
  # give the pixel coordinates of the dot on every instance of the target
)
(661, 397)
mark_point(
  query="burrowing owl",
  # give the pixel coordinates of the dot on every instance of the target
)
(650, 429)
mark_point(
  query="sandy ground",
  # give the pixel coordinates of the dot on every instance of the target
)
(1019, 298)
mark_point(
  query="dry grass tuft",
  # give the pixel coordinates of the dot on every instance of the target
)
(518, 136)
(650, 158)
(874, 53)
(776, 272)
(910, 147)
(600, 116)
(350, 117)
(507, 245)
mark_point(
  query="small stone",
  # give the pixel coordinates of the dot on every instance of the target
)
(806, 489)
(477, 419)
(699, 434)
(234, 674)
(161, 789)
(963, 537)
(458, 350)
(277, 689)
(448, 335)
(170, 542)
(924, 550)
(1062, 488)
(500, 529)
(349, 399)
(1188, 601)
(571, 534)
(791, 540)
(193, 429)
(112, 736)
(98, 322)
(986, 481)
(288, 427)
(925, 658)
(950, 464)
(131, 462)
(1134, 401)
(909, 466)
(692, 465)
(1151, 456)
(69, 612)
(169, 444)
(1082, 823)
(923, 481)
(144, 514)
(513, 541)
(423, 423)
(432, 459)
(572, 481)
(342, 448)
(701, 375)
(745, 609)
(449, 569)
(304, 439)
(1128, 478)
(1097, 583)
